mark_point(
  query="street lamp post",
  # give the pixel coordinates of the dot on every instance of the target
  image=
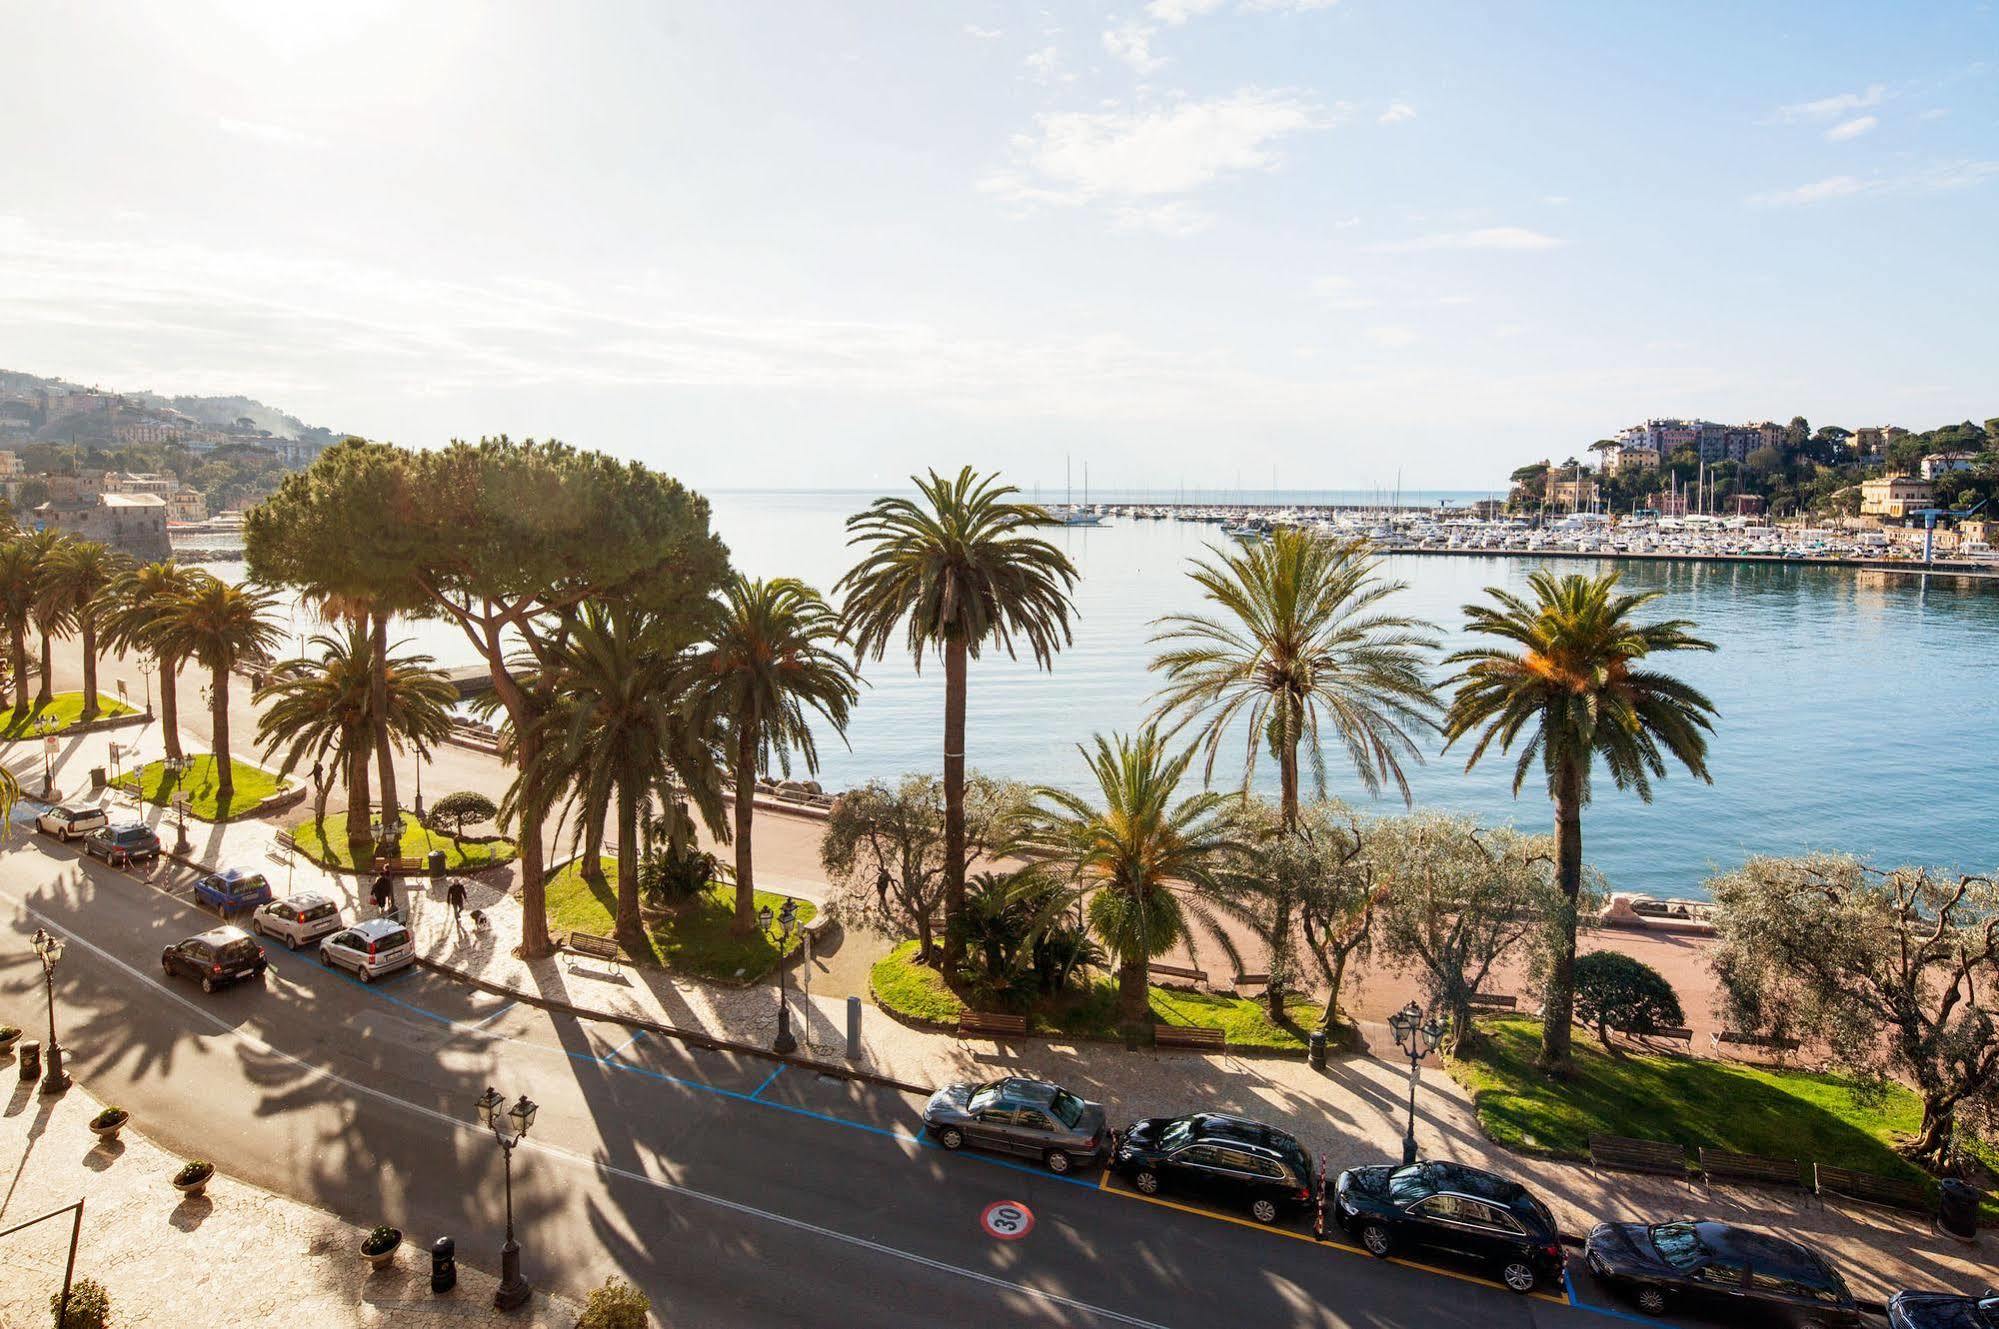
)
(787, 922)
(1415, 1036)
(45, 727)
(514, 1290)
(48, 949)
(176, 768)
(146, 667)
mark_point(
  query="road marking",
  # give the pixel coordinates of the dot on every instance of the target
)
(1007, 1220)
(775, 1072)
(483, 1022)
(598, 1166)
(637, 1034)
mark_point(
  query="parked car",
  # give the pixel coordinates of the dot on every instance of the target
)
(1943, 1310)
(67, 823)
(1450, 1207)
(370, 948)
(1032, 1118)
(233, 888)
(1707, 1268)
(297, 919)
(1228, 1160)
(216, 957)
(127, 842)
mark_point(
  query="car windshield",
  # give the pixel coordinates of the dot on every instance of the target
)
(1680, 1245)
(1068, 1108)
(984, 1096)
(1177, 1133)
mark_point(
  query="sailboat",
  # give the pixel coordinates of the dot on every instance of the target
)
(1069, 514)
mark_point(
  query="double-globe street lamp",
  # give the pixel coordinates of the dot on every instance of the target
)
(48, 949)
(787, 922)
(176, 769)
(45, 728)
(1416, 1036)
(514, 1290)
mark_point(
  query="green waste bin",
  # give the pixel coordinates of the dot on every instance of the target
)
(436, 861)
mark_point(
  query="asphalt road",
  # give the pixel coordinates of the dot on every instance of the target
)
(733, 1193)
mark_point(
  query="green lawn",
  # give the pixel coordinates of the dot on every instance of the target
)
(1726, 1105)
(693, 939)
(919, 992)
(418, 840)
(65, 708)
(253, 786)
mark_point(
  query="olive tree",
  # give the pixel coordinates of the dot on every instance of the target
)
(1618, 991)
(1317, 891)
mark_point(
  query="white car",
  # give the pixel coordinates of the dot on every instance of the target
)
(297, 919)
(370, 949)
(67, 823)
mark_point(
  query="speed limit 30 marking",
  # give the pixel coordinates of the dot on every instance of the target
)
(1008, 1220)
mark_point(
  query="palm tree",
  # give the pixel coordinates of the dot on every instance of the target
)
(139, 607)
(768, 666)
(1565, 680)
(17, 609)
(220, 625)
(322, 711)
(961, 567)
(1147, 866)
(1298, 640)
(76, 580)
(52, 614)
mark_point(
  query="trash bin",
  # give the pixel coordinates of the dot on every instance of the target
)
(96, 778)
(1957, 1209)
(443, 1265)
(1315, 1049)
(30, 1054)
(436, 861)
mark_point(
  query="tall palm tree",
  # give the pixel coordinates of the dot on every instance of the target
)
(18, 575)
(959, 566)
(221, 625)
(1298, 640)
(321, 710)
(768, 667)
(76, 579)
(52, 613)
(139, 607)
(1147, 864)
(1565, 681)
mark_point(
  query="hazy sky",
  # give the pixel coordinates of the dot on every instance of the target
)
(1185, 240)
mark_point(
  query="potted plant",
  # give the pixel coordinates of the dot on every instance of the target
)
(193, 1177)
(9, 1036)
(379, 1246)
(106, 1124)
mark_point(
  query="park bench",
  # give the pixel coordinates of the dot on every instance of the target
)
(1178, 971)
(1493, 1001)
(1757, 1169)
(594, 946)
(973, 1024)
(1667, 1033)
(1199, 1037)
(1726, 1038)
(1622, 1153)
(402, 867)
(1871, 1188)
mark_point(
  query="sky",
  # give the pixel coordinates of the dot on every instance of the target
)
(1184, 242)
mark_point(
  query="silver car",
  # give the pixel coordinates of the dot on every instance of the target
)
(67, 823)
(297, 919)
(370, 948)
(1032, 1118)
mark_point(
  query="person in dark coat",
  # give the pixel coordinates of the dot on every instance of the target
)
(384, 894)
(454, 895)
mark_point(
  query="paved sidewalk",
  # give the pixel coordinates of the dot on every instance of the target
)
(250, 1256)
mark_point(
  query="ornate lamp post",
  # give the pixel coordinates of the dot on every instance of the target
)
(787, 923)
(509, 1129)
(1415, 1036)
(147, 667)
(48, 949)
(45, 727)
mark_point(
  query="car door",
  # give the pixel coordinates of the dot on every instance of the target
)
(1719, 1287)
(1190, 1169)
(1438, 1222)
(1237, 1178)
(275, 919)
(195, 959)
(991, 1127)
(341, 949)
(1033, 1132)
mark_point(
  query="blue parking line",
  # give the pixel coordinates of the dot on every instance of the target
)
(1569, 1282)
(777, 1071)
(481, 1023)
(636, 1036)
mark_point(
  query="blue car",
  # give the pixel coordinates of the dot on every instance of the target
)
(233, 889)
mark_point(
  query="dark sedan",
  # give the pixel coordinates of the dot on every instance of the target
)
(1018, 1116)
(1229, 1160)
(1943, 1310)
(216, 957)
(1717, 1269)
(1453, 1208)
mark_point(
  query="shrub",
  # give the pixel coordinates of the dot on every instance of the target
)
(669, 874)
(1615, 991)
(111, 1116)
(380, 1239)
(616, 1305)
(192, 1171)
(89, 1306)
(456, 811)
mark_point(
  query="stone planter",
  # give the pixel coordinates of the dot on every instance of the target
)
(8, 1040)
(382, 1258)
(109, 1131)
(197, 1186)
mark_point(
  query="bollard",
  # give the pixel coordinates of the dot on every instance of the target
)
(443, 1265)
(30, 1054)
(1315, 1049)
(853, 1028)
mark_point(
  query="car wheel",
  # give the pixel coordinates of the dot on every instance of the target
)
(1518, 1275)
(208, 985)
(1375, 1240)
(1146, 1180)
(167, 968)
(326, 959)
(1651, 1300)
(951, 1138)
(1264, 1211)
(291, 943)
(364, 973)
(1059, 1163)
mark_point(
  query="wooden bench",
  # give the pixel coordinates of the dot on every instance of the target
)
(1179, 971)
(1199, 1037)
(1493, 1001)
(594, 946)
(1670, 1033)
(974, 1024)
(1757, 1169)
(1726, 1038)
(402, 867)
(1622, 1153)
(1871, 1188)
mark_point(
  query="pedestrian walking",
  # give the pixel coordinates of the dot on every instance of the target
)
(454, 894)
(384, 894)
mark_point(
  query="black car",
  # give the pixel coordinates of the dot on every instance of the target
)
(127, 842)
(1230, 1160)
(1707, 1268)
(216, 957)
(1943, 1310)
(1450, 1207)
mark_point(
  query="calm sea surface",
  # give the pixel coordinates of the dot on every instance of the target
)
(1857, 709)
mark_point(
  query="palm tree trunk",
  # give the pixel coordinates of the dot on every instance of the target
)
(90, 707)
(225, 767)
(1559, 1007)
(378, 717)
(45, 690)
(1133, 1007)
(591, 865)
(1280, 924)
(170, 704)
(536, 944)
(20, 668)
(746, 783)
(360, 819)
(954, 803)
(630, 932)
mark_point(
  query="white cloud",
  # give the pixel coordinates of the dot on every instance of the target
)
(1847, 129)
(1285, 6)
(1044, 64)
(1177, 218)
(1942, 176)
(1829, 108)
(1337, 292)
(1489, 237)
(1176, 12)
(1393, 336)
(1934, 113)
(1132, 43)
(1398, 113)
(983, 34)
(1556, 200)
(1818, 191)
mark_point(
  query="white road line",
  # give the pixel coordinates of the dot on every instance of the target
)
(578, 1160)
